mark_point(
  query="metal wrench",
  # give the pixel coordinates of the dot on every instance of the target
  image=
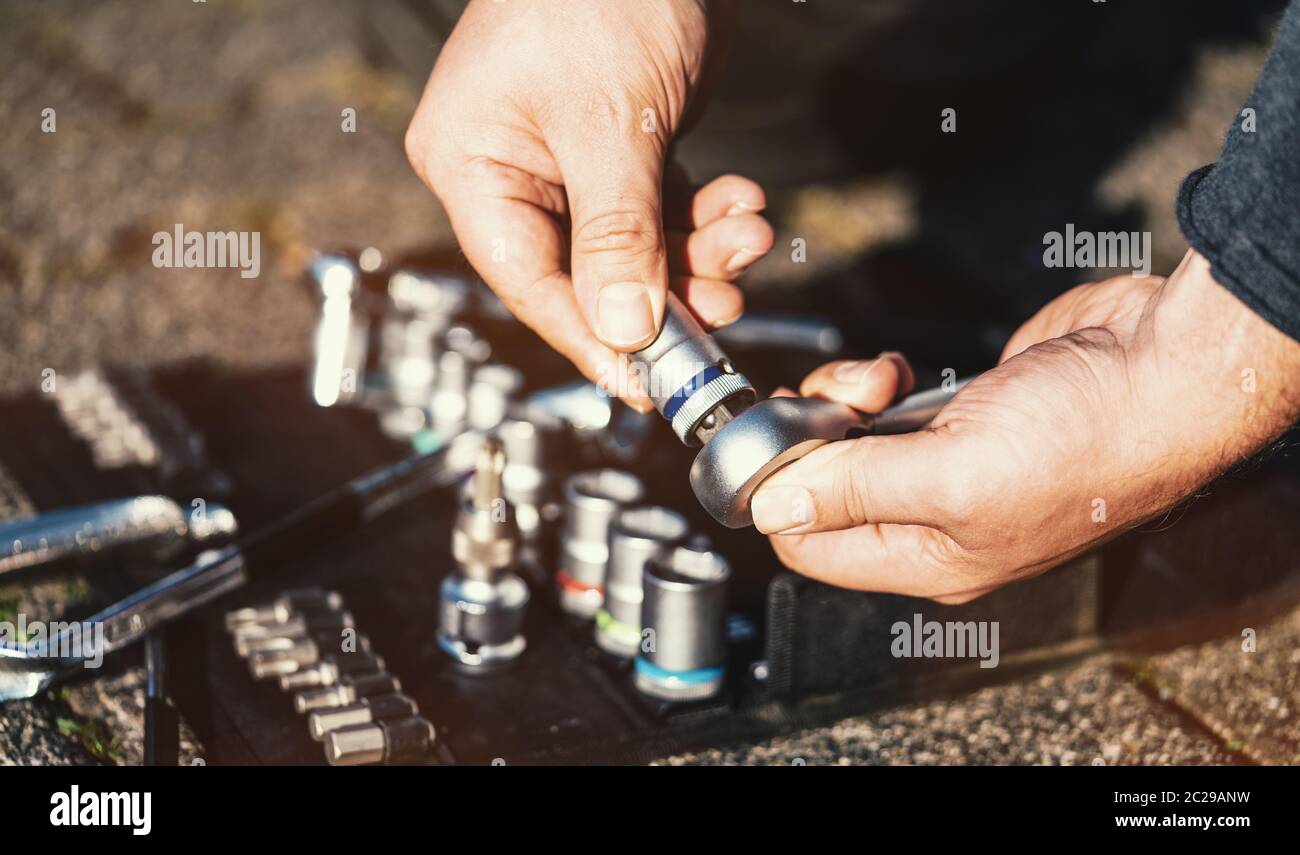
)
(26, 669)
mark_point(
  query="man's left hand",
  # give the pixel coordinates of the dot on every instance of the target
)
(1112, 404)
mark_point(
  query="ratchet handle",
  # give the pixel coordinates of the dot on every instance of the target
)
(913, 412)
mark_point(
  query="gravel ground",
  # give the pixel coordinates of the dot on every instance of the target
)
(1250, 700)
(227, 116)
(1085, 715)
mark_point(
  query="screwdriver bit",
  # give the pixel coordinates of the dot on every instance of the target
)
(389, 742)
(348, 690)
(367, 710)
(282, 607)
(328, 671)
(298, 624)
(304, 651)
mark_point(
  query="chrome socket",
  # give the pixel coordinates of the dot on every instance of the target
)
(683, 614)
(491, 391)
(461, 353)
(691, 381)
(424, 308)
(482, 603)
(480, 624)
(433, 298)
(636, 535)
(523, 483)
(591, 500)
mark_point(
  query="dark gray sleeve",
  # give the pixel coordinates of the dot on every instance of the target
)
(1243, 213)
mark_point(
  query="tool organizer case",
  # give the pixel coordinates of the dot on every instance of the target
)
(806, 654)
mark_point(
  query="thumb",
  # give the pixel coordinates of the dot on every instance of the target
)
(619, 263)
(904, 479)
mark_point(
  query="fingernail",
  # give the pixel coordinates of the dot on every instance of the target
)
(726, 322)
(742, 258)
(778, 509)
(644, 406)
(623, 314)
(854, 372)
(742, 208)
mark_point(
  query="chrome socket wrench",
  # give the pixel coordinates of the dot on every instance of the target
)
(365, 711)
(591, 499)
(482, 602)
(695, 387)
(405, 740)
(350, 689)
(152, 528)
(683, 614)
(636, 535)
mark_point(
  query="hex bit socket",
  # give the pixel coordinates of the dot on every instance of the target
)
(365, 711)
(328, 671)
(302, 652)
(348, 690)
(283, 607)
(388, 742)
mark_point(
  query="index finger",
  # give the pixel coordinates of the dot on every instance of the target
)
(518, 248)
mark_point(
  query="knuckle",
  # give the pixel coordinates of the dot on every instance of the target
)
(415, 150)
(626, 232)
(854, 492)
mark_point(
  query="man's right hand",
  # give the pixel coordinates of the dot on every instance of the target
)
(543, 130)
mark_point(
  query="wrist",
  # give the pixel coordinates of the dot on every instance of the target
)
(1228, 380)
